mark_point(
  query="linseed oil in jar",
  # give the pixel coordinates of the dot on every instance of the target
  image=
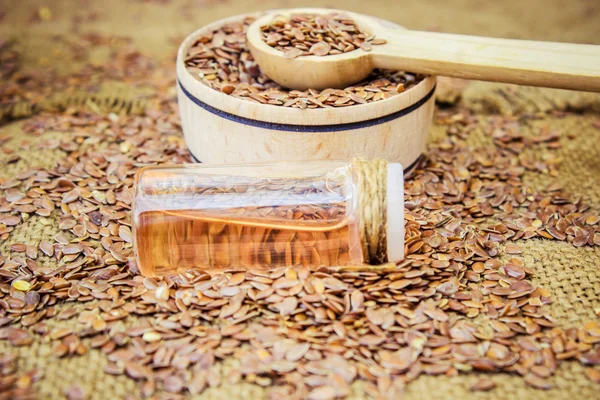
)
(255, 216)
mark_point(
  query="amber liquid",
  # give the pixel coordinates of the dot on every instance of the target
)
(171, 242)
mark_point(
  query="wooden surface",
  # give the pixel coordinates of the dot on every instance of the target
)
(533, 63)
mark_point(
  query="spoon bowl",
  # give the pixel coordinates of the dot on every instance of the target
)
(335, 71)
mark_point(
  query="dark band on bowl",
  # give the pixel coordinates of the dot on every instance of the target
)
(307, 128)
(407, 170)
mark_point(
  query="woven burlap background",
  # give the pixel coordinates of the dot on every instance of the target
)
(571, 274)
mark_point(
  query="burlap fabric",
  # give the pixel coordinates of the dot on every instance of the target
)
(571, 274)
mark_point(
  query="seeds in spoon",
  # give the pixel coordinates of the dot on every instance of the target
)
(318, 35)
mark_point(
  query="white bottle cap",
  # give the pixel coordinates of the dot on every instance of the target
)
(395, 212)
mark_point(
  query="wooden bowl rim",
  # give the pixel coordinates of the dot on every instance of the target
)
(287, 118)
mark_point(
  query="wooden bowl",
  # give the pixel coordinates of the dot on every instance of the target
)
(223, 129)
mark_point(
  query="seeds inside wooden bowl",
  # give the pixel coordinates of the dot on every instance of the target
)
(222, 60)
(316, 35)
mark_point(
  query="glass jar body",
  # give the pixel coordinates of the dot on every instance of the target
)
(246, 217)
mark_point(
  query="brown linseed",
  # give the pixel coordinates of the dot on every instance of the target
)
(319, 35)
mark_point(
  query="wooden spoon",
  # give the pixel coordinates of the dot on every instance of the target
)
(525, 62)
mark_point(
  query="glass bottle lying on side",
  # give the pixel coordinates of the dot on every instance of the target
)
(264, 216)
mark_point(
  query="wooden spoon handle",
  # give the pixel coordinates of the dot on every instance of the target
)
(548, 64)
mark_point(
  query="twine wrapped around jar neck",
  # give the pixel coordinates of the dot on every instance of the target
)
(372, 200)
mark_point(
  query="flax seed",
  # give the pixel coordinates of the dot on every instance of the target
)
(483, 385)
(318, 35)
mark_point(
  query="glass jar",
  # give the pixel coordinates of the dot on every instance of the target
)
(256, 216)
